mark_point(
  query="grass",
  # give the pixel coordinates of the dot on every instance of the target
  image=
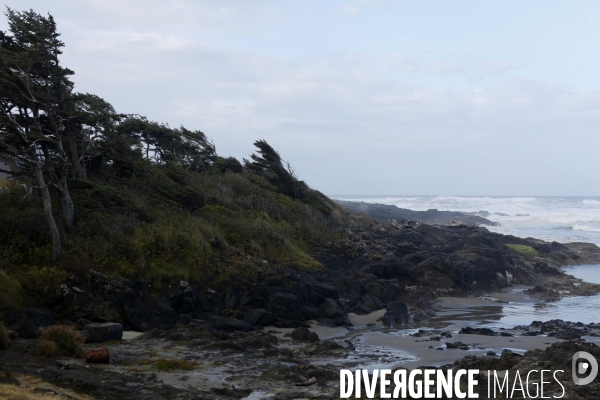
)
(139, 227)
(68, 342)
(523, 249)
(11, 293)
(48, 348)
(164, 365)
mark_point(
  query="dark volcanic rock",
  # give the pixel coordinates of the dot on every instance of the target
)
(104, 332)
(456, 345)
(163, 316)
(477, 331)
(545, 294)
(230, 325)
(259, 317)
(304, 335)
(557, 357)
(284, 305)
(26, 329)
(544, 268)
(383, 212)
(148, 335)
(333, 311)
(397, 314)
(290, 323)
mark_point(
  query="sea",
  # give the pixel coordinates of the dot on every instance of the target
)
(562, 219)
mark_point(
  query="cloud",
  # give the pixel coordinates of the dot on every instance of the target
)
(471, 68)
(349, 121)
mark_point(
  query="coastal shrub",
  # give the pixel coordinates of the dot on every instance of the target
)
(68, 341)
(137, 225)
(523, 249)
(11, 294)
(174, 364)
(48, 348)
(4, 339)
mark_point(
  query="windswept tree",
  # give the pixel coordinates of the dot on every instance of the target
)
(161, 144)
(88, 119)
(268, 163)
(34, 92)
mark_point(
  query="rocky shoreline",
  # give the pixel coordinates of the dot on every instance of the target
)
(384, 212)
(253, 340)
(271, 364)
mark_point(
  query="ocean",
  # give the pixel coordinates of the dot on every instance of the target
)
(561, 219)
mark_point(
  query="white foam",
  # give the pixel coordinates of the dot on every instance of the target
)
(587, 228)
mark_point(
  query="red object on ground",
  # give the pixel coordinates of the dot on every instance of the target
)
(97, 356)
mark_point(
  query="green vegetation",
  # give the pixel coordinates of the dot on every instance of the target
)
(174, 364)
(11, 294)
(4, 339)
(523, 249)
(92, 188)
(61, 340)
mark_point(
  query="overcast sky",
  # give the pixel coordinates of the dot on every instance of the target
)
(362, 97)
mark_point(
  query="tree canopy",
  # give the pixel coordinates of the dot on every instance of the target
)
(55, 140)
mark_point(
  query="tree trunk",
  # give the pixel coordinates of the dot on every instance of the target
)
(68, 209)
(75, 156)
(48, 213)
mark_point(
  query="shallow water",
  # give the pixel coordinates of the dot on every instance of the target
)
(457, 313)
(395, 348)
(584, 309)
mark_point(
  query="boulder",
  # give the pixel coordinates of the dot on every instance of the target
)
(163, 316)
(544, 268)
(86, 335)
(396, 314)
(40, 317)
(26, 329)
(97, 356)
(304, 335)
(290, 323)
(230, 324)
(284, 305)
(104, 332)
(372, 302)
(259, 317)
(148, 335)
(330, 309)
(477, 331)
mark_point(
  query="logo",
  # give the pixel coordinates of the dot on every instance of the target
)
(584, 363)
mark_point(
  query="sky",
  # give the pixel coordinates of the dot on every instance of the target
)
(362, 97)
